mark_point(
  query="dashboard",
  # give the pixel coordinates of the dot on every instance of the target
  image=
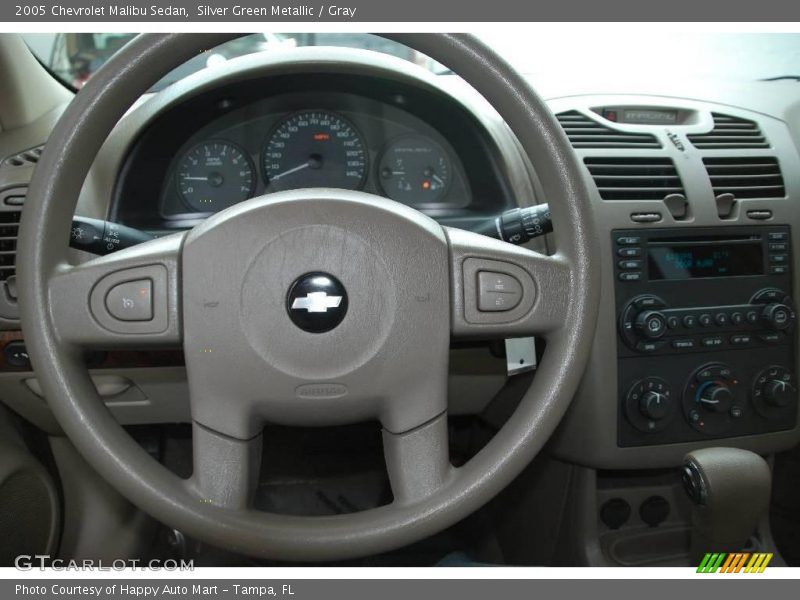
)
(690, 189)
(258, 137)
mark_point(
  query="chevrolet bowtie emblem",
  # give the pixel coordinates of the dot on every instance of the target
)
(316, 302)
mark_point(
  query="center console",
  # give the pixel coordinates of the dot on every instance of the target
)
(705, 344)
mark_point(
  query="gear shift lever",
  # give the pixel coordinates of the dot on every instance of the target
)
(730, 490)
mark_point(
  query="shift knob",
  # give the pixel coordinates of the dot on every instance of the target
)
(730, 490)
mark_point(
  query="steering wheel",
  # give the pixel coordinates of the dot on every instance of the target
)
(312, 307)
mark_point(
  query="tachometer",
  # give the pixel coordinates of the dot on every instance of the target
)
(414, 170)
(214, 175)
(314, 149)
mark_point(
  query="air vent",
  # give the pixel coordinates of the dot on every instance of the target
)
(9, 224)
(634, 178)
(26, 158)
(585, 132)
(730, 133)
(746, 177)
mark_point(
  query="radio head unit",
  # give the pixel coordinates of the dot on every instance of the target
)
(706, 333)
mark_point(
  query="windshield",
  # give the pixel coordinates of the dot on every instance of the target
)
(74, 57)
(550, 53)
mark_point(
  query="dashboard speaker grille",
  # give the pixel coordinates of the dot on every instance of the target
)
(624, 178)
(746, 177)
(585, 132)
(730, 133)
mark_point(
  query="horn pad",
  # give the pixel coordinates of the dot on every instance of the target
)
(314, 307)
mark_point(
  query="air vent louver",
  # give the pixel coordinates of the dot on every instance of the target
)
(730, 133)
(585, 132)
(746, 177)
(9, 224)
(634, 178)
(26, 158)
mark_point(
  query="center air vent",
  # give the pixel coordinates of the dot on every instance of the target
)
(730, 133)
(585, 132)
(634, 178)
(746, 176)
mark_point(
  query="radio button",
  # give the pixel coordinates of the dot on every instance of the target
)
(741, 339)
(705, 320)
(629, 240)
(686, 344)
(778, 235)
(778, 247)
(630, 264)
(689, 321)
(712, 341)
(772, 337)
(644, 302)
(778, 270)
(650, 346)
(779, 259)
(630, 276)
(768, 295)
(629, 252)
(737, 318)
(673, 322)
(721, 319)
(752, 317)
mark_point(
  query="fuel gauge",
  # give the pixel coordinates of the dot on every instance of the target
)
(414, 170)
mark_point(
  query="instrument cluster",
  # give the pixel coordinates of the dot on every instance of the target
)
(349, 144)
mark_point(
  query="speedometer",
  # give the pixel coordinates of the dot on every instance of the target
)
(314, 149)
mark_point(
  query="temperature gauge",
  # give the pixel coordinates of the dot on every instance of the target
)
(414, 170)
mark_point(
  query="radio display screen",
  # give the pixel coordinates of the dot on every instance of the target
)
(680, 260)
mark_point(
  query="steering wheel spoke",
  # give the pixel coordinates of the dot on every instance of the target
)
(502, 290)
(418, 461)
(126, 299)
(226, 469)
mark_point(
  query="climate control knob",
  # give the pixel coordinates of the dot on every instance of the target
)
(649, 405)
(654, 405)
(777, 316)
(713, 399)
(716, 397)
(774, 392)
(778, 393)
(651, 324)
